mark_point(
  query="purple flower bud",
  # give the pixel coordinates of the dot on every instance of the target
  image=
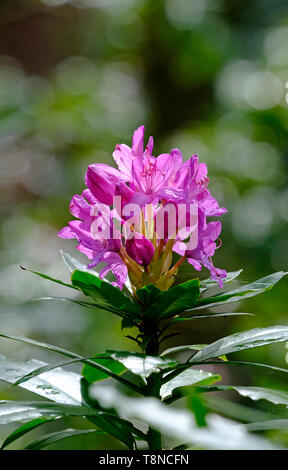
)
(101, 179)
(140, 249)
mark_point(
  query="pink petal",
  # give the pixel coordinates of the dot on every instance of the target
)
(66, 233)
(80, 208)
(138, 142)
(123, 157)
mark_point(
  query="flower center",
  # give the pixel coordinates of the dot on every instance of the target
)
(151, 175)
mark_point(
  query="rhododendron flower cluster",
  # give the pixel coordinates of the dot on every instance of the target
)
(130, 220)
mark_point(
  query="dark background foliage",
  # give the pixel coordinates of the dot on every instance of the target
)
(76, 78)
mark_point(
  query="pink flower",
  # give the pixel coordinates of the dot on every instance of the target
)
(135, 236)
(147, 176)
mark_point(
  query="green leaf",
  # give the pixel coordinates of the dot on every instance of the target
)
(140, 364)
(49, 367)
(106, 295)
(24, 429)
(248, 364)
(119, 361)
(208, 283)
(278, 397)
(60, 386)
(203, 316)
(180, 367)
(185, 347)
(187, 378)
(53, 437)
(93, 375)
(243, 340)
(179, 424)
(148, 294)
(112, 362)
(70, 354)
(174, 300)
(11, 411)
(73, 264)
(244, 292)
(45, 276)
(277, 424)
(234, 410)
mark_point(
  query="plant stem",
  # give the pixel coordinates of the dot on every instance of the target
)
(154, 439)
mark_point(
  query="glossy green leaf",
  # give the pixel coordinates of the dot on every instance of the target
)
(209, 315)
(116, 362)
(45, 276)
(93, 375)
(105, 294)
(179, 424)
(148, 294)
(73, 264)
(72, 355)
(208, 283)
(187, 378)
(248, 364)
(49, 367)
(244, 292)
(11, 411)
(174, 300)
(58, 385)
(185, 347)
(24, 429)
(22, 411)
(243, 340)
(181, 367)
(278, 397)
(57, 436)
(234, 410)
(141, 364)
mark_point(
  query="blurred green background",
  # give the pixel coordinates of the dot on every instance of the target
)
(77, 77)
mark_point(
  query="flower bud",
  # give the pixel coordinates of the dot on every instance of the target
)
(101, 180)
(140, 249)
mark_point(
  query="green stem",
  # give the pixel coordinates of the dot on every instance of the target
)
(154, 439)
